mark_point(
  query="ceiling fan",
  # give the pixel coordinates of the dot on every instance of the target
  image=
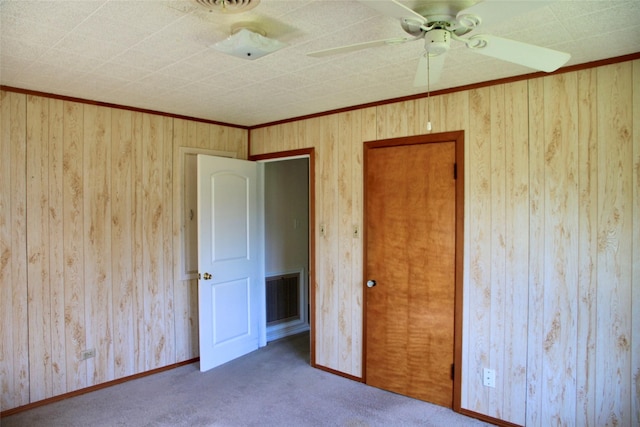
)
(440, 22)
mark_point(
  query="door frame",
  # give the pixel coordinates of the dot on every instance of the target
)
(310, 154)
(458, 138)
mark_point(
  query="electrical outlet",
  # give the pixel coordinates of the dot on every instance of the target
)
(88, 354)
(356, 232)
(489, 377)
(323, 230)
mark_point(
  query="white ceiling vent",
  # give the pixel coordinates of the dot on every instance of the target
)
(228, 6)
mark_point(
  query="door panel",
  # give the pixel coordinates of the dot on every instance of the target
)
(410, 253)
(230, 304)
(229, 242)
(230, 194)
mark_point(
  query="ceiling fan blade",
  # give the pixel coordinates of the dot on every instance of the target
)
(497, 12)
(435, 65)
(536, 57)
(394, 9)
(358, 46)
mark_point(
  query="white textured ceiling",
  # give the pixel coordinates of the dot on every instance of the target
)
(155, 54)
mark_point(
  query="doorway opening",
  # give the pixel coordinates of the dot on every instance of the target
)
(306, 154)
(286, 258)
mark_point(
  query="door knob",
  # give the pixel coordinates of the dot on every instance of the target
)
(205, 276)
(371, 283)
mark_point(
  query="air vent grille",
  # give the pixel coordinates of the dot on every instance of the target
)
(228, 6)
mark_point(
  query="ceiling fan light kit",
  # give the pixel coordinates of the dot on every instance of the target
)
(248, 44)
(437, 42)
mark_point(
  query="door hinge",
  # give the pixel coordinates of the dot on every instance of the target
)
(455, 171)
(453, 371)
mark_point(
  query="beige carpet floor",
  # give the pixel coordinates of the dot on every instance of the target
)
(273, 386)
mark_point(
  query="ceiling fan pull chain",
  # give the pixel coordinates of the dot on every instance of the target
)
(428, 91)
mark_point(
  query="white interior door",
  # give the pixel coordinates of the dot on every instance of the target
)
(230, 261)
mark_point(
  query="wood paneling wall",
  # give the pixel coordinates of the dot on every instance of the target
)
(552, 239)
(89, 226)
(90, 235)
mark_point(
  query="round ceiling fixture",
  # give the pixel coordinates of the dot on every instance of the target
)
(228, 6)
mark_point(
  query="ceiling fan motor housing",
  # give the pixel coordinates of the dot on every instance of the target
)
(437, 41)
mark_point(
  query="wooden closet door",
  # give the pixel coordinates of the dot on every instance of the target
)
(410, 254)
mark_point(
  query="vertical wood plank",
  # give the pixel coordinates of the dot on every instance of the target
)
(455, 111)
(167, 242)
(560, 248)
(180, 291)
(56, 242)
(344, 236)
(137, 217)
(498, 248)
(73, 182)
(6, 283)
(281, 137)
(121, 243)
(219, 137)
(14, 340)
(364, 129)
(517, 253)
(468, 377)
(324, 136)
(241, 140)
(19, 261)
(97, 243)
(203, 135)
(290, 136)
(615, 226)
(478, 261)
(395, 120)
(37, 209)
(587, 246)
(368, 130)
(635, 262)
(536, 252)
(301, 136)
(153, 253)
(276, 137)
